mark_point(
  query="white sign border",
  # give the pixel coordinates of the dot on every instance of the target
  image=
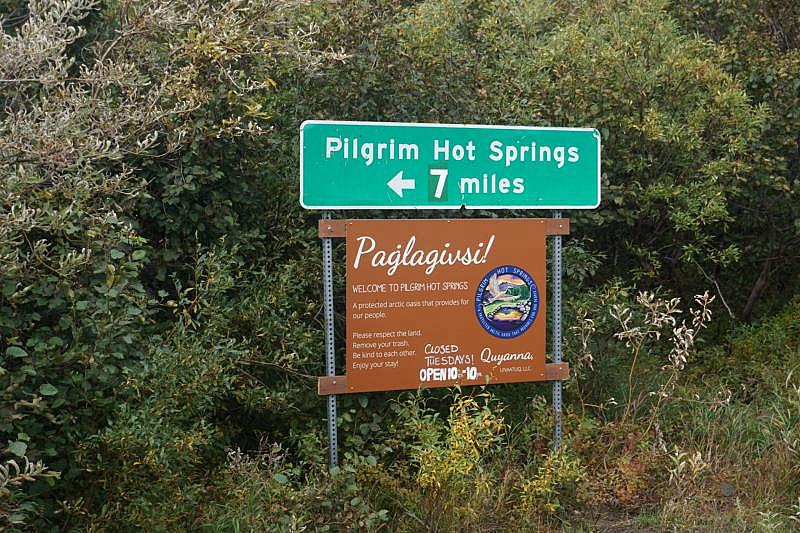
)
(596, 135)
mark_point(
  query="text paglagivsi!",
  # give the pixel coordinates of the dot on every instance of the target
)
(411, 257)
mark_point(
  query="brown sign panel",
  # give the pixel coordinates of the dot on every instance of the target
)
(437, 303)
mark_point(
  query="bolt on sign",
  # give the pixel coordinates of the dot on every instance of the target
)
(437, 303)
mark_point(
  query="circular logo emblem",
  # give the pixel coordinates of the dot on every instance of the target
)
(507, 301)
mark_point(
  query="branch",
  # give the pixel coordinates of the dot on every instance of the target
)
(719, 290)
(278, 367)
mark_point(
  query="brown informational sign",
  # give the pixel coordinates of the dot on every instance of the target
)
(437, 303)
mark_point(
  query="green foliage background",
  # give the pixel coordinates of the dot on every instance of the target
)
(160, 318)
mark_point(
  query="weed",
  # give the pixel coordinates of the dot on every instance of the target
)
(558, 475)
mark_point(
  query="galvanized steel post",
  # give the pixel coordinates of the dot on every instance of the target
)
(557, 336)
(330, 353)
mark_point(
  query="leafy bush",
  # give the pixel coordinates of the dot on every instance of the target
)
(15, 504)
(760, 42)
(107, 111)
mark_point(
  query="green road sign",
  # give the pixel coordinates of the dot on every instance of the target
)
(375, 165)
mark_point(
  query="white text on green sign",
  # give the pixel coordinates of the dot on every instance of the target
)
(366, 165)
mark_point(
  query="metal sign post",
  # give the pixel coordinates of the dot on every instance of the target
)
(557, 334)
(330, 355)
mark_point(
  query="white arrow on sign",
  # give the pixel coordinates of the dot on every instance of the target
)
(398, 184)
